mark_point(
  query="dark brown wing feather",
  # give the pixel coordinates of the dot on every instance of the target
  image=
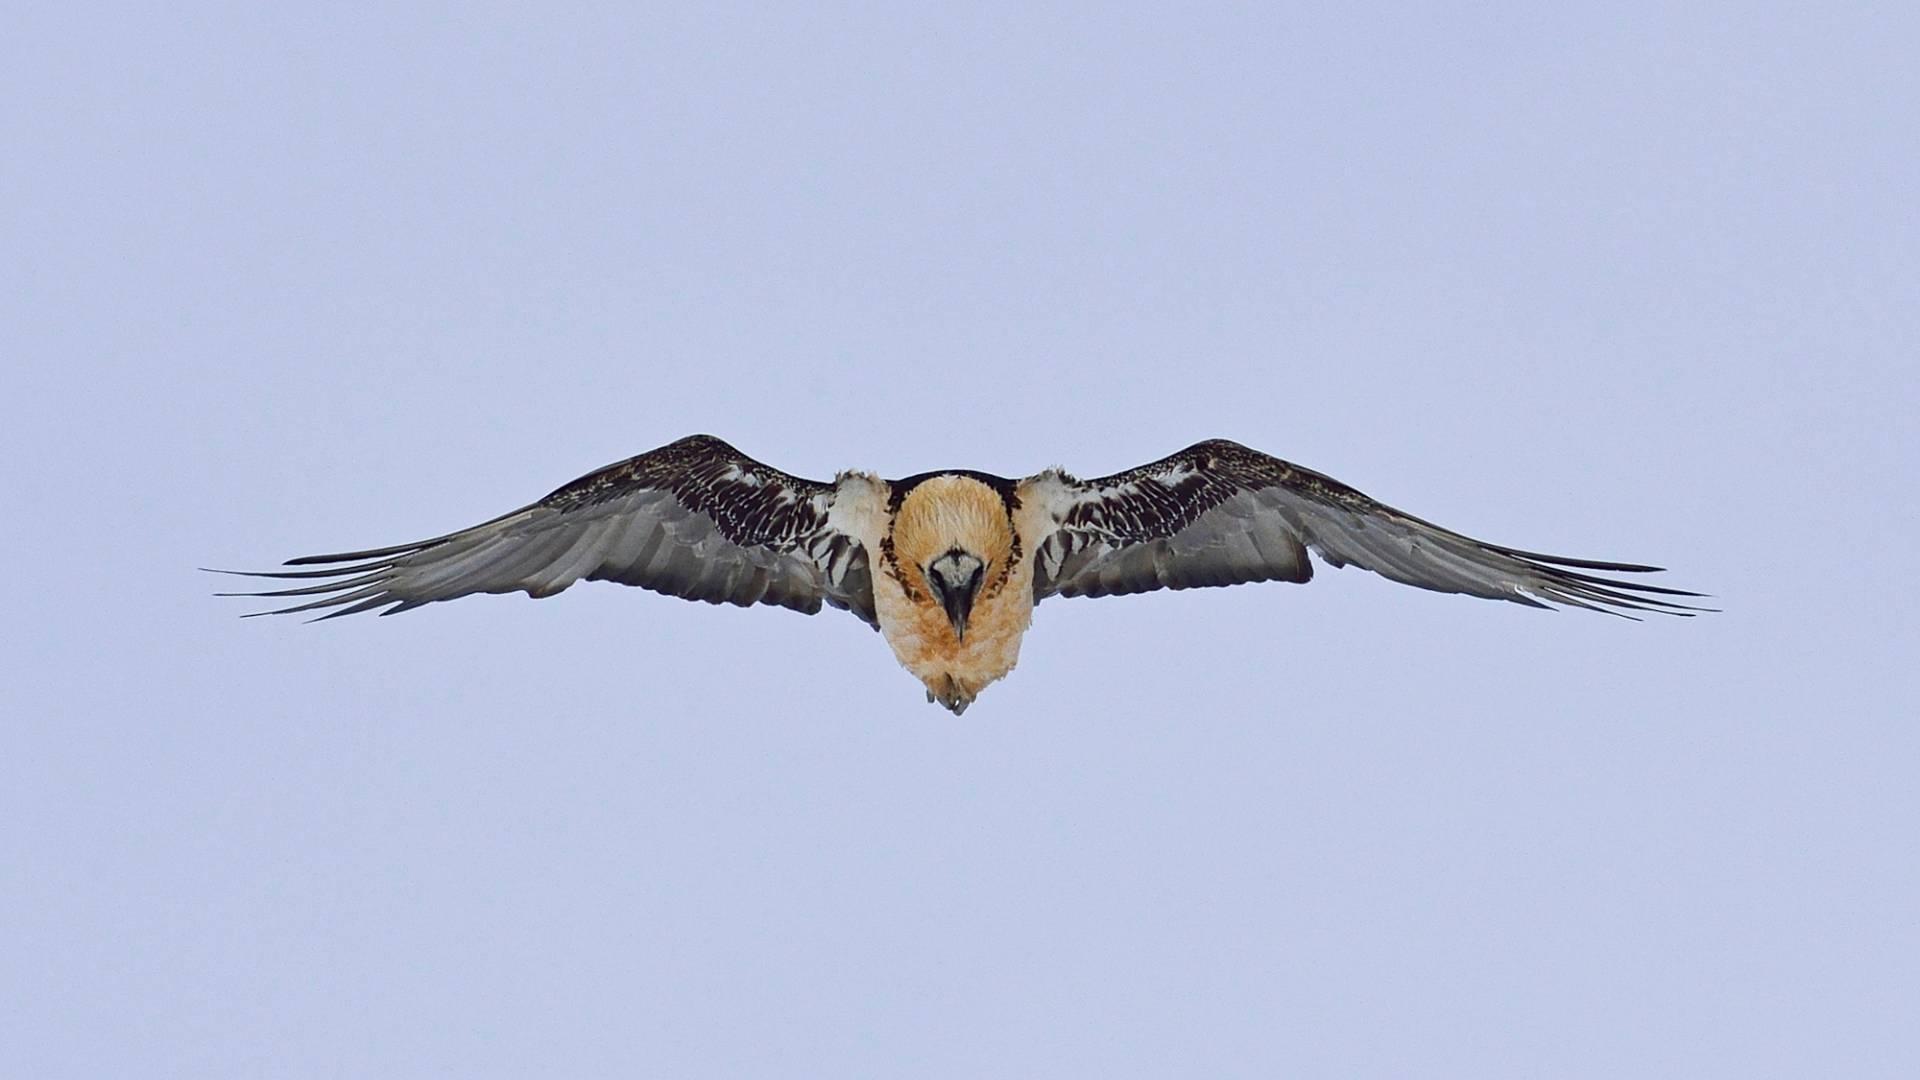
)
(1218, 513)
(695, 519)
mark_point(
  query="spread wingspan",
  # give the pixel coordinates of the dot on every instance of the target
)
(695, 519)
(1218, 513)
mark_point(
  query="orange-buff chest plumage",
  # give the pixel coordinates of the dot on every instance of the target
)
(938, 516)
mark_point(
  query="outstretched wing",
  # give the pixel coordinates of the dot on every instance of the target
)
(1218, 513)
(696, 519)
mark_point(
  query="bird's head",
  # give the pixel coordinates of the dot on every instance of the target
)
(956, 533)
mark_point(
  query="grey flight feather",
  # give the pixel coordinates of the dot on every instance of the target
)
(695, 519)
(1218, 513)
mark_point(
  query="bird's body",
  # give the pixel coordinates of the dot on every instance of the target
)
(947, 565)
(944, 513)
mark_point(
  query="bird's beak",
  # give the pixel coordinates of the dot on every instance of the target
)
(958, 603)
(954, 579)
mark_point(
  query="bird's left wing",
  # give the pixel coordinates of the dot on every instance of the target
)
(695, 519)
(1218, 513)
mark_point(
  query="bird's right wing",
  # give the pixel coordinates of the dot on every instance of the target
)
(695, 519)
(1218, 513)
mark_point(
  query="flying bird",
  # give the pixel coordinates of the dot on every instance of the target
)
(946, 565)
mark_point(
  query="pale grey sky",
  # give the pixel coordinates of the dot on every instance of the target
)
(1628, 281)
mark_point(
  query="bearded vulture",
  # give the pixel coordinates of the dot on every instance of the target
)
(946, 565)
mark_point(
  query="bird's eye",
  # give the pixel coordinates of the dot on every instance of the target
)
(978, 573)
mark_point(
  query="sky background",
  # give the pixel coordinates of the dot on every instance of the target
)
(1625, 281)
